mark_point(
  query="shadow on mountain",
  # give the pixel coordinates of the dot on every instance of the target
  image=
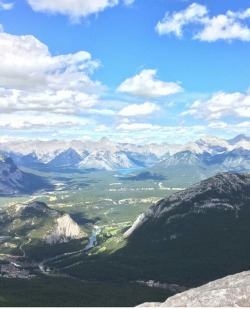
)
(80, 218)
(143, 176)
(192, 237)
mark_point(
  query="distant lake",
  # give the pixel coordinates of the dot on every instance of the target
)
(125, 171)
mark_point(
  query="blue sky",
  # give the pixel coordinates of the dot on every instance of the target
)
(136, 71)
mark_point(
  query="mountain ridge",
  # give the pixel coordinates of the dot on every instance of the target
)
(57, 152)
(14, 181)
(195, 231)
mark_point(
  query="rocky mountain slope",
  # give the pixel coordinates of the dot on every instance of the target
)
(35, 224)
(196, 235)
(14, 181)
(193, 166)
(231, 291)
(63, 230)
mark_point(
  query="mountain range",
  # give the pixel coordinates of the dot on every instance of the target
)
(108, 155)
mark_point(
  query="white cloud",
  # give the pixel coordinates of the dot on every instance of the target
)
(75, 9)
(174, 23)
(128, 2)
(137, 127)
(26, 63)
(1, 28)
(223, 27)
(217, 125)
(102, 128)
(244, 124)
(6, 6)
(228, 26)
(150, 133)
(61, 101)
(145, 85)
(221, 105)
(32, 79)
(24, 121)
(139, 109)
(101, 111)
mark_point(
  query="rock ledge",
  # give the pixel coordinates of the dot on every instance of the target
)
(231, 291)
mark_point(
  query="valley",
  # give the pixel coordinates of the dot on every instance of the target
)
(103, 209)
(106, 230)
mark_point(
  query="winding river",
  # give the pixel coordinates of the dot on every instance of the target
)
(91, 244)
(92, 238)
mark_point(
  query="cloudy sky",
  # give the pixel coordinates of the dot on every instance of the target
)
(131, 70)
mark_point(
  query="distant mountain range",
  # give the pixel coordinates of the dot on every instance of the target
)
(108, 155)
(196, 235)
(190, 162)
(15, 181)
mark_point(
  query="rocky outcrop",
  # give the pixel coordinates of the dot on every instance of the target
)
(47, 224)
(231, 291)
(138, 222)
(64, 230)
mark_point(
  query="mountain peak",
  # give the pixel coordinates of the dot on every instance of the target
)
(238, 138)
(209, 139)
(34, 209)
(104, 140)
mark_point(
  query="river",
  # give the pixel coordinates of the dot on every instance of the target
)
(92, 238)
(91, 244)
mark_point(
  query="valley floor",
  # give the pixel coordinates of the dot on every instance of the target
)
(97, 202)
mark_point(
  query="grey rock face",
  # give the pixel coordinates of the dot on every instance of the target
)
(224, 192)
(231, 291)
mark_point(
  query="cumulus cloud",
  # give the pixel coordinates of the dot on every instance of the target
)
(75, 9)
(32, 79)
(146, 85)
(6, 6)
(148, 133)
(137, 127)
(101, 111)
(223, 27)
(61, 101)
(24, 121)
(102, 128)
(174, 23)
(221, 105)
(228, 26)
(139, 109)
(26, 63)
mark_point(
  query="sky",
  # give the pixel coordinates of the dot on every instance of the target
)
(137, 71)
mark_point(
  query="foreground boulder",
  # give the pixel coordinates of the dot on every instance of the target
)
(231, 291)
